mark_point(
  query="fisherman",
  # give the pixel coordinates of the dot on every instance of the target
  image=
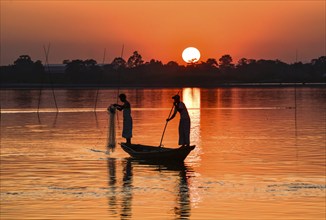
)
(127, 119)
(184, 124)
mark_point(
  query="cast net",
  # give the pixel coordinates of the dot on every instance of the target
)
(111, 141)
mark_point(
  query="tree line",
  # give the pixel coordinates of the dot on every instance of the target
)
(136, 72)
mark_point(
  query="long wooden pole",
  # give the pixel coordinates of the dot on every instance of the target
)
(166, 124)
(119, 73)
(47, 51)
(121, 56)
(97, 91)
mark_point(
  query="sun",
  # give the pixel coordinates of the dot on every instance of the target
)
(191, 55)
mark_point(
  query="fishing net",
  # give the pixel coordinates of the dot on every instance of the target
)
(111, 141)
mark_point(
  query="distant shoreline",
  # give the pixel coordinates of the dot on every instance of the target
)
(109, 86)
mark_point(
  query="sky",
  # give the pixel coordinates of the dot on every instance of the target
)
(288, 30)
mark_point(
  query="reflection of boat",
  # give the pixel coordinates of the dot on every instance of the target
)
(183, 207)
(180, 171)
(146, 152)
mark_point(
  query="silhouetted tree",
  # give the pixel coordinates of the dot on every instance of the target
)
(135, 60)
(226, 69)
(75, 66)
(153, 66)
(27, 71)
(171, 67)
(226, 62)
(320, 61)
(172, 64)
(24, 65)
(209, 66)
(268, 71)
(79, 70)
(24, 60)
(154, 72)
(242, 62)
(319, 66)
(38, 66)
(211, 62)
(65, 62)
(118, 63)
(90, 63)
(155, 62)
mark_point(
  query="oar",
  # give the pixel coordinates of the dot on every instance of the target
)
(166, 123)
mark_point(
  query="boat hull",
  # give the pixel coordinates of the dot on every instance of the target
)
(152, 153)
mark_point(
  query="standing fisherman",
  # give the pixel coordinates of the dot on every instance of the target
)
(184, 125)
(127, 119)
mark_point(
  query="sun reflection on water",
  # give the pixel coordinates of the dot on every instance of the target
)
(191, 97)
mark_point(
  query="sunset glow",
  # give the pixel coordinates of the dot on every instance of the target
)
(285, 30)
(191, 55)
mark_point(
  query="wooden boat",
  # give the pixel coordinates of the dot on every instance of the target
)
(146, 152)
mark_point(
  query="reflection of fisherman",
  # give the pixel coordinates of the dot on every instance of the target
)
(127, 119)
(184, 125)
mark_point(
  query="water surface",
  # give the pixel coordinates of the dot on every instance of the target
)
(260, 154)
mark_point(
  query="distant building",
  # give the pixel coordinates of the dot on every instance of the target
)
(56, 68)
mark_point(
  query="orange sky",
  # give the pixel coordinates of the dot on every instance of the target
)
(162, 29)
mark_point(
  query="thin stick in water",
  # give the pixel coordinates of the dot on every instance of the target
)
(97, 91)
(47, 51)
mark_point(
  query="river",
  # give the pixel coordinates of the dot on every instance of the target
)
(260, 154)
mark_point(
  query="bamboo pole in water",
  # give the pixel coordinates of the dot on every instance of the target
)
(119, 73)
(47, 51)
(97, 91)
(121, 56)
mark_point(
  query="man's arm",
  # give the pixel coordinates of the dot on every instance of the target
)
(119, 107)
(174, 113)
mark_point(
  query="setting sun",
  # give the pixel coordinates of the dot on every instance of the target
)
(191, 55)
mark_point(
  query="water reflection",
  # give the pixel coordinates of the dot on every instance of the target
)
(191, 97)
(46, 118)
(126, 190)
(122, 206)
(112, 180)
(258, 157)
(25, 98)
(183, 173)
(184, 195)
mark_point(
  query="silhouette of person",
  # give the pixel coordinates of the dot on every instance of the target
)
(184, 124)
(127, 119)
